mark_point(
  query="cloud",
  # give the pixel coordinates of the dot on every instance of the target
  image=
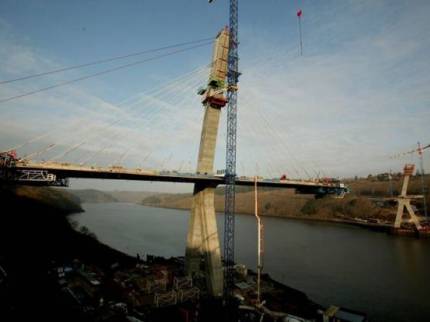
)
(158, 122)
(357, 95)
(342, 109)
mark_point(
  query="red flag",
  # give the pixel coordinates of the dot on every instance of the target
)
(299, 13)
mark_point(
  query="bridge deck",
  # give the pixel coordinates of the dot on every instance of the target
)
(68, 170)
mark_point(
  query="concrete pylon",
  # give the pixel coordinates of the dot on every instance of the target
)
(404, 201)
(202, 240)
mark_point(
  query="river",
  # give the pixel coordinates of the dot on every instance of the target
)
(385, 276)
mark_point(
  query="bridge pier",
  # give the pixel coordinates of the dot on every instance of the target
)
(202, 239)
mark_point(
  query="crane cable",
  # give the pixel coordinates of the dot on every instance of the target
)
(299, 21)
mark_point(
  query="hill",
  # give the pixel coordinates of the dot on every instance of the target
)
(130, 196)
(98, 196)
(91, 195)
(365, 201)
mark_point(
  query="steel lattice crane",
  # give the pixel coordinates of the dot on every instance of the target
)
(230, 174)
(230, 190)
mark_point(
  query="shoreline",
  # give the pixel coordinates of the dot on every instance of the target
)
(371, 226)
(276, 292)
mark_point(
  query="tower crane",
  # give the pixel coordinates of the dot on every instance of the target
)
(230, 174)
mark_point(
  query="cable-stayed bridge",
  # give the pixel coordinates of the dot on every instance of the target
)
(97, 144)
(56, 174)
(50, 164)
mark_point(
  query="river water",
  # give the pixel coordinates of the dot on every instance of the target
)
(385, 276)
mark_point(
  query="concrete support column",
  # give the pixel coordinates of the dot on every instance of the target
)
(208, 140)
(202, 240)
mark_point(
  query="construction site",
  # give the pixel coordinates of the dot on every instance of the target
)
(207, 283)
(156, 289)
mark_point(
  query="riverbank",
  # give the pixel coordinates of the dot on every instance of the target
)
(36, 237)
(331, 263)
(56, 269)
(367, 225)
(365, 206)
(336, 219)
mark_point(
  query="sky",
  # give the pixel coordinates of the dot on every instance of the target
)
(358, 95)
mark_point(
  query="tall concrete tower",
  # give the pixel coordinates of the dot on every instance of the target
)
(202, 240)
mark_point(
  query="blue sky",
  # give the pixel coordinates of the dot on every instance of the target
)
(359, 93)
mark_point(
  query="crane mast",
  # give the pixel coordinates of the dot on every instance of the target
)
(230, 190)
